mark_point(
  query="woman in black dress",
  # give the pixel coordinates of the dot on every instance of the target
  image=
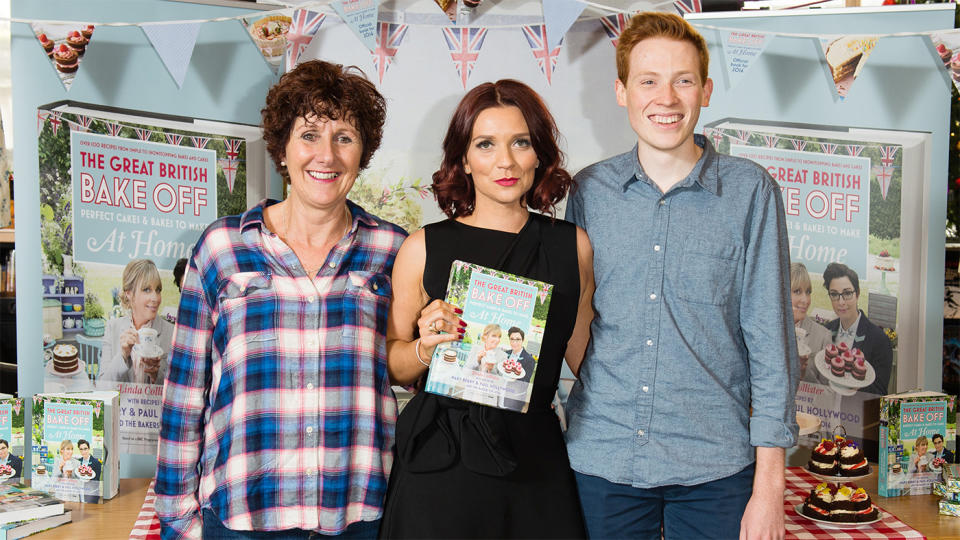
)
(464, 469)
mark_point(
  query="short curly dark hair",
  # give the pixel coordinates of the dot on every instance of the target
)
(453, 187)
(837, 270)
(328, 91)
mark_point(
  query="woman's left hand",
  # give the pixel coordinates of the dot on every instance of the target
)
(438, 317)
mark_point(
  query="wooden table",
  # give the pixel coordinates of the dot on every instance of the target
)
(116, 517)
(918, 511)
(111, 520)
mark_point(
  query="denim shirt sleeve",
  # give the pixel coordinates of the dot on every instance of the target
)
(767, 324)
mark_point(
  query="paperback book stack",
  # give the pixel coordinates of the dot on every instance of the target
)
(24, 511)
(11, 439)
(910, 423)
(949, 490)
(75, 445)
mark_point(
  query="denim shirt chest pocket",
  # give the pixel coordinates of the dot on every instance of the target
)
(248, 316)
(708, 269)
(365, 301)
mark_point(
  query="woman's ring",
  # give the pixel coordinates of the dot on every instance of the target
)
(434, 327)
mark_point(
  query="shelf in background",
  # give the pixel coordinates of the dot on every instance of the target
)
(6, 236)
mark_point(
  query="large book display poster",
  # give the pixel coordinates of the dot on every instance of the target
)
(852, 197)
(115, 188)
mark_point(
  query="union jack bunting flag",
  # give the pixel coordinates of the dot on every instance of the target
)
(887, 155)
(613, 25)
(173, 138)
(537, 38)
(302, 29)
(83, 123)
(233, 148)
(687, 6)
(114, 129)
(798, 144)
(199, 142)
(464, 45)
(743, 135)
(884, 175)
(229, 167)
(55, 121)
(41, 116)
(854, 149)
(143, 134)
(770, 140)
(828, 148)
(389, 37)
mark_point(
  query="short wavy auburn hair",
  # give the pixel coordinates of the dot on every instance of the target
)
(454, 188)
(326, 90)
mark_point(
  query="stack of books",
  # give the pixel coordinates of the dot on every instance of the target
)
(25, 511)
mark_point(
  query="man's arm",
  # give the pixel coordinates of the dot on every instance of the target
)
(768, 333)
(763, 517)
(184, 402)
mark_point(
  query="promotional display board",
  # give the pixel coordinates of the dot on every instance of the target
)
(120, 189)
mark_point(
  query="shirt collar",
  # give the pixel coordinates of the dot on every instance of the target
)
(852, 331)
(704, 171)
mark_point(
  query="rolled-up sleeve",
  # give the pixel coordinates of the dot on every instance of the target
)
(184, 403)
(767, 323)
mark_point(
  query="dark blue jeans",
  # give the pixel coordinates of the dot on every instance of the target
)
(213, 529)
(710, 510)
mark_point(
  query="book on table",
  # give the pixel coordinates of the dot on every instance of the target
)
(19, 502)
(21, 529)
(496, 361)
(11, 439)
(75, 445)
(910, 462)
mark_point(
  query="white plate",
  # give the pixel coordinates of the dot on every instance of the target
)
(808, 423)
(81, 368)
(7, 476)
(85, 478)
(510, 375)
(834, 524)
(845, 385)
(837, 479)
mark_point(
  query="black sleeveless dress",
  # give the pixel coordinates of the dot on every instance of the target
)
(464, 470)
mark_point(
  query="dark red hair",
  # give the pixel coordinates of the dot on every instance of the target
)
(453, 187)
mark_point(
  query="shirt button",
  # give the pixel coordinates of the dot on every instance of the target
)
(646, 388)
(653, 296)
(309, 386)
(311, 343)
(309, 429)
(656, 247)
(332, 264)
(640, 432)
(375, 286)
(311, 298)
(649, 342)
(309, 472)
(662, 202)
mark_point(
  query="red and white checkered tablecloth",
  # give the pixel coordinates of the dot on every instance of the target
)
(798, 485)
(147, 526)
(800, 482)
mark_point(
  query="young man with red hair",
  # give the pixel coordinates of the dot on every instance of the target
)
(685, 401)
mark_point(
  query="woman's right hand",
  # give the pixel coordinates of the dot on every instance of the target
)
(128, 339)
(435, 319)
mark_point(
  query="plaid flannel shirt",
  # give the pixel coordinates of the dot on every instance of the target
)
(277, 408)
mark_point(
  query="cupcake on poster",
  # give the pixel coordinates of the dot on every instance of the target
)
(64, 45)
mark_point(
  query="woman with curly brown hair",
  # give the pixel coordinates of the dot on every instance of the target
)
(465, 469)
(278, 415)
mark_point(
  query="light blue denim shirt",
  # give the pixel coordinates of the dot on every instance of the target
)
(693, 323)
